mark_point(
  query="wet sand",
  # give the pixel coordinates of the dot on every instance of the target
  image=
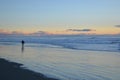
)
(61, 63)
(13, 71)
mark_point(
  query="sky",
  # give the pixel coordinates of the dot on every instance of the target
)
(60, 16)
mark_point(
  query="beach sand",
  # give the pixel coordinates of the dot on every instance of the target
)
(13, 71)
(57, 63)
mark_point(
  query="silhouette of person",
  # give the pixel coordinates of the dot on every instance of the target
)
(23, 42)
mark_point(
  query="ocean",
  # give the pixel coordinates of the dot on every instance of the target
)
(76, 57)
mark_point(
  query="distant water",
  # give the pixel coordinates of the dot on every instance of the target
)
(81, 42)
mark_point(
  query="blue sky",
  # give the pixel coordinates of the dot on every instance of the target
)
(59, 15)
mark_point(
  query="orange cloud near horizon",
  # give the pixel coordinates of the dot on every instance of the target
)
(75, 31)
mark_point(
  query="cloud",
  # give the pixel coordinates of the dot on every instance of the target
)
(16, 33)
(117, 26)
(40, 33)
(80, 30)
(7, 32)
(3, 32)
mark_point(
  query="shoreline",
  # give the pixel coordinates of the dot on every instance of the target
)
(13, 71)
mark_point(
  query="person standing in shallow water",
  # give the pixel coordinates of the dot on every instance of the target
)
(23, 42)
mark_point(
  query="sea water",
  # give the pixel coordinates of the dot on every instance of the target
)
(78, 42)
(66, 58)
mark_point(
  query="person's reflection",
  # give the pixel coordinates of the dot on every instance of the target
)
(22, 49)
(119, 46)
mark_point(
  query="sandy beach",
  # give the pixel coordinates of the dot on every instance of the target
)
(13, 71)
